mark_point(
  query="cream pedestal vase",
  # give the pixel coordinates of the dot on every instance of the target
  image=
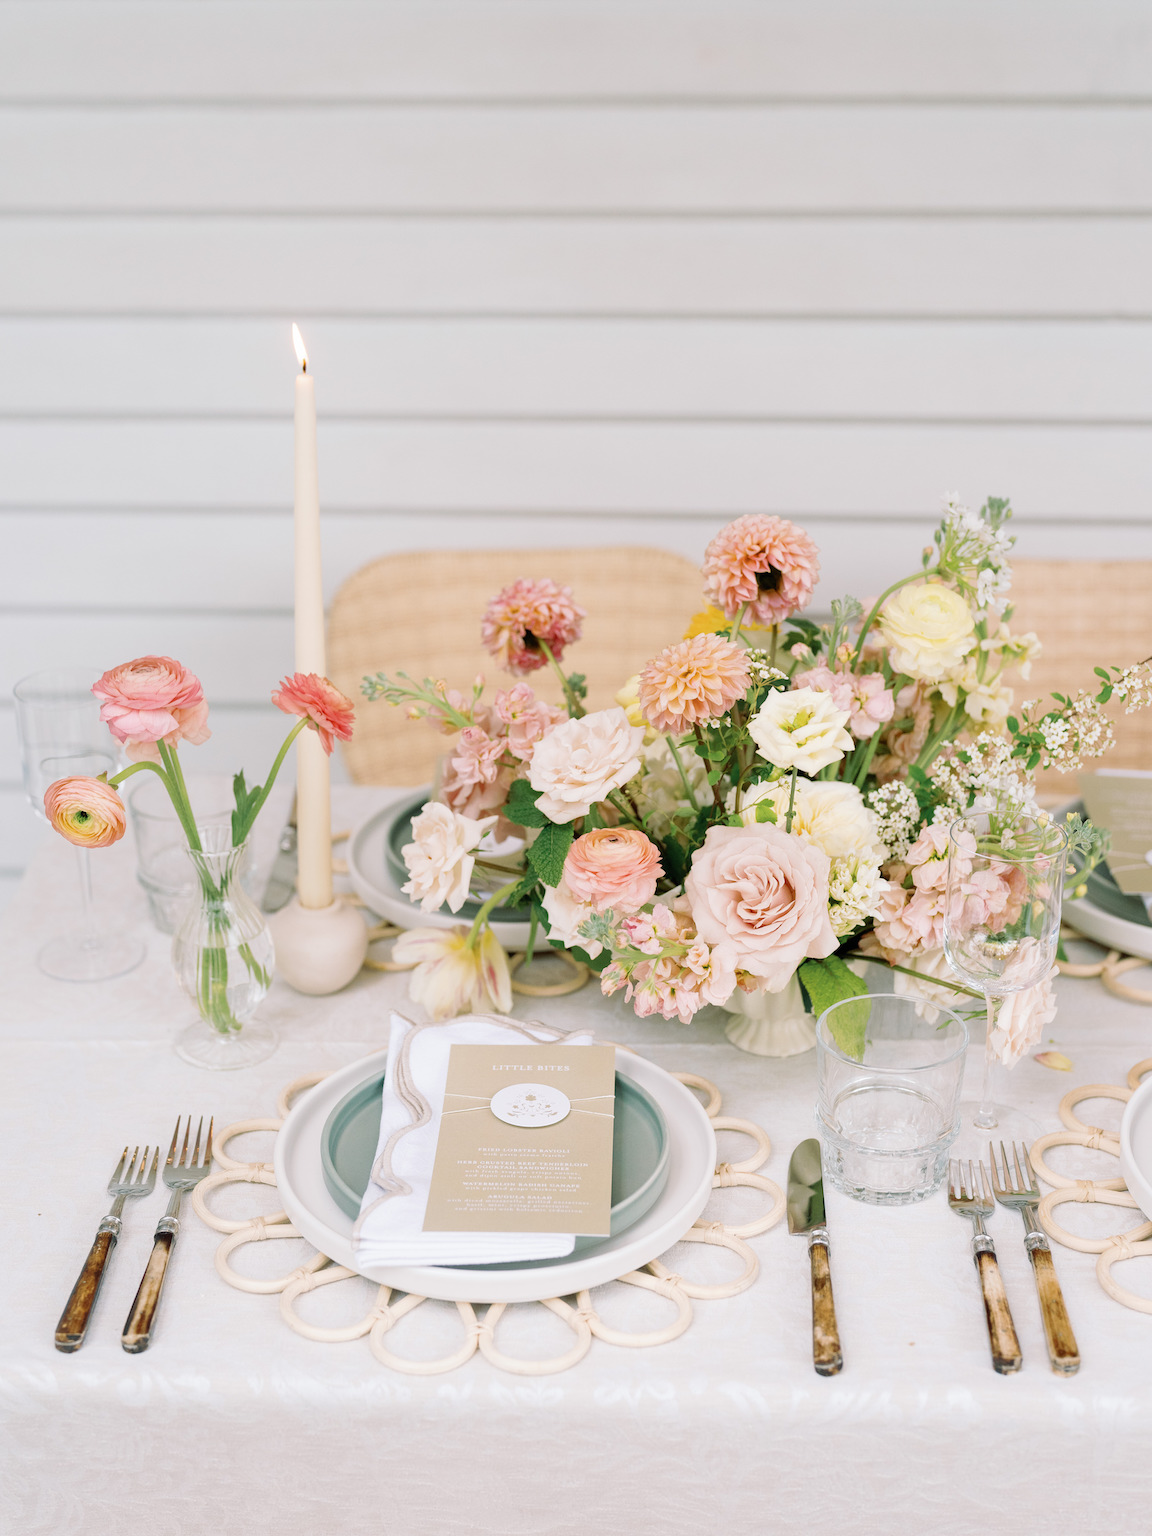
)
(771, 1023)
(319, 949)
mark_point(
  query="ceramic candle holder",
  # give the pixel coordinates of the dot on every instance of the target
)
(319, 949)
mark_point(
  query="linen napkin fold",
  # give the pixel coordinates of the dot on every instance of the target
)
(389, 1230)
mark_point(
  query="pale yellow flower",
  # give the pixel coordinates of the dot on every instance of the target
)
(802, 729)
(452, 976)
(928, 629)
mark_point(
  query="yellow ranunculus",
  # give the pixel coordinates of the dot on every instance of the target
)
(928, 629)
(711, 621)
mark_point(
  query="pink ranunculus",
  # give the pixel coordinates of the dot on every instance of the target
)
(88, 812)
(614, 867)
(760, 898)
(320, 702)
(524, 618)
(527, 718)
(476, 780)
(152, 699)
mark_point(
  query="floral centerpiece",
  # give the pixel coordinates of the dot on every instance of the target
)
(766, 802)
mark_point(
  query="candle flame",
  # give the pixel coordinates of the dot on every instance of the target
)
(298, 343)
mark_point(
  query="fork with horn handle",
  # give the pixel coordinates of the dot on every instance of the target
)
(130, 1181)
(181, 1174)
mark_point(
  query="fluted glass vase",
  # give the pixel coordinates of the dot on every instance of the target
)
(223, 955)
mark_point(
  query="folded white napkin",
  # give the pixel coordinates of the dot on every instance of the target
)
(389, 1230)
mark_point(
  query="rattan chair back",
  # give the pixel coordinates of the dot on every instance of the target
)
(420, 613)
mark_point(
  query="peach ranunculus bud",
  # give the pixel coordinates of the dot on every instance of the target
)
(613, 867)
(319, 702)
(88, 812)
(152, 699)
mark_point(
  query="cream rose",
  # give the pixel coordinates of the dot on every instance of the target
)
(802, 729)
(928, 629)
(760, 898)
(565, 915)
(582, 761)
(832, 816)
(439, 857)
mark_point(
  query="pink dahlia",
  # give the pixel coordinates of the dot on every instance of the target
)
(524, 618)
(692, 681)
(319, 702)
(766, 562)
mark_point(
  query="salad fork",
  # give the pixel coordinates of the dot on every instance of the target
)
(1022, 1193)
(975, 1201)
(130, 1181)
(181, 1174)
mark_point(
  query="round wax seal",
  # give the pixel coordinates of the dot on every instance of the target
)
(530, 1104)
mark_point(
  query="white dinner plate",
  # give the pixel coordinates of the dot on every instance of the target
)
(314, 1213)
(1136, 1146)
(377, 886)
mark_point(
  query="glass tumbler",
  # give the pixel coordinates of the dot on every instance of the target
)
(888, 1115)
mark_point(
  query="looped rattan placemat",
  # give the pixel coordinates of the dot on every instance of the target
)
(479, 1333)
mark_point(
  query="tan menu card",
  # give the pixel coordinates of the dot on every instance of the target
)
(525, 1140)
(1121, 801)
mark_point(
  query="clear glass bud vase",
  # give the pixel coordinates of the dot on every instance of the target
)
(223, 955)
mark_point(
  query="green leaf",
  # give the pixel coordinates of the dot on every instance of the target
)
(593, 820)
(548, 852)
(765, 811)
(521, 807)
(832, 981)
(578, 684)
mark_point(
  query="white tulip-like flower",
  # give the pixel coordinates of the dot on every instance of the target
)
(581, 761)
(439, 857)
(802, 729)
(928, 629)
(451, 974)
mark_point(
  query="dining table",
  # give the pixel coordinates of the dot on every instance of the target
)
(232, 1423)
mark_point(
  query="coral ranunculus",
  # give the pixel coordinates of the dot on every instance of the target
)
(319, 702)
(613, 867)
(696, 680)
(524, 618)
(88, 812)
(152, 699)
(766, 562)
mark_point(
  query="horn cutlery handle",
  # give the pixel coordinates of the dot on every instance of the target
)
(826, 1356)
(137, 1333)
(1006, 1356)
(73, 1324)
(1063, 1351)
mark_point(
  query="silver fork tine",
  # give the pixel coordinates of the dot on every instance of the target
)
(183, 1162)
(172, 1148)
(196, 1149)
(1021, 1182)
(115, 1179)
(208, 1143)
(987, 1192)
(1035, 1188)
(130, 1170)
(143, 1174)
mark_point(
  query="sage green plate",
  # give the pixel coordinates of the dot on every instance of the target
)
(398, 838)
(640, 1152)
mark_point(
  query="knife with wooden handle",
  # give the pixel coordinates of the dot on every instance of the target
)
(806, 1217)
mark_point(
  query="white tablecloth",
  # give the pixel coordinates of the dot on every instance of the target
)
(232, 1424)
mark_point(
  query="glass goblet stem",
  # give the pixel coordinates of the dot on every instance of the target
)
(985, 1118)
(88, 932)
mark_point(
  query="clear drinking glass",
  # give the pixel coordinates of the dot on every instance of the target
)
(62, 736)
(888, 1117)
(1001, 928)
(163, 867)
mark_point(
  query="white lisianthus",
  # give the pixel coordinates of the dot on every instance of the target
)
(802, 729)
(928, 629)
(581, 761)
(439, 857)
(855, 886)
(832, 815)
(565, 914)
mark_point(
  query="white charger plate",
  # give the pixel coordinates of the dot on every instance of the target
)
(376, 885)
(314, 1213)
(1136, 1146)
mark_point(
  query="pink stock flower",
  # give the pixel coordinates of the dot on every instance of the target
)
(766, 562)
(525, 614)
(693, 681)
(152, 699)
(684, 975)
(88, 812)
(320, 702)
(476, 780)
(760, 897)
(613, 867)
(868, 702)
(527, 718)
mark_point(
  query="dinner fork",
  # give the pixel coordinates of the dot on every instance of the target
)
(1022, 1193)
(180, 1175)
(130, 1181)
(975, 1201)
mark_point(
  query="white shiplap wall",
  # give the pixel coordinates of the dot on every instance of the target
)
(569, 271)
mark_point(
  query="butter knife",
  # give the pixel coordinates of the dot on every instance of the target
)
(282, 879)
(806, 1218)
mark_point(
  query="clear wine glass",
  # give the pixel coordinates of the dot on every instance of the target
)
(1001, 928)
(61, 736)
